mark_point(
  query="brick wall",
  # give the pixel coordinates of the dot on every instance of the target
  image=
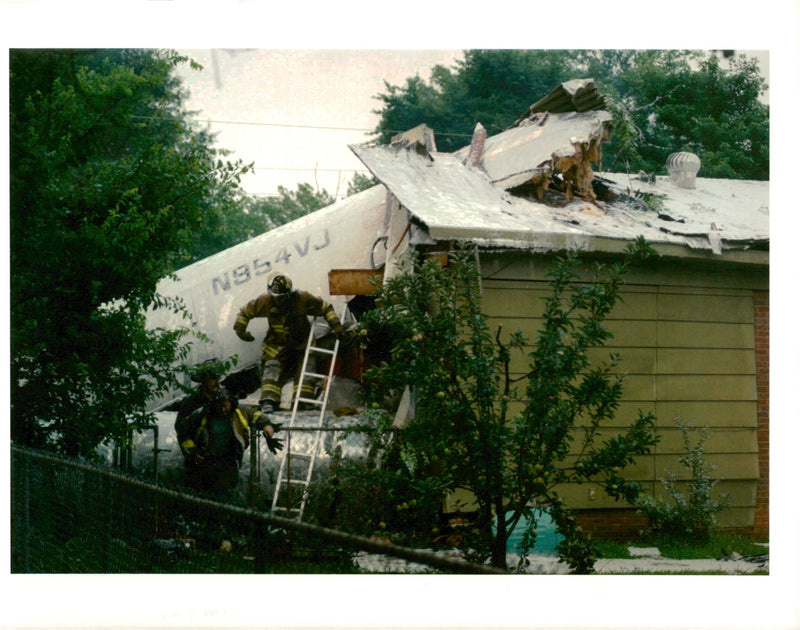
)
(761, 326)
(613, 524)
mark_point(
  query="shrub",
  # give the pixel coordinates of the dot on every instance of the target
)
(357, 497)
(687, 515)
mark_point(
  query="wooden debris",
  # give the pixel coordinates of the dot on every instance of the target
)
(475, 154)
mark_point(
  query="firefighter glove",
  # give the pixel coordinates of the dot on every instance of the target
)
(246, 336)
(274, 445)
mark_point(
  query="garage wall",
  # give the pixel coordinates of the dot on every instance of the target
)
(686, 340)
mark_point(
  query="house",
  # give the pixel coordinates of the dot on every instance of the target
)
(692, 329)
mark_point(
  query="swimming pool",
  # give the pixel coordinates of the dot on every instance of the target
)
(547, 535)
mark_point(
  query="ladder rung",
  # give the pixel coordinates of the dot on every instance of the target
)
(295, 482)
(300, 455)
(280, 508)
(321, 350)
(315, 375)
(310, 400)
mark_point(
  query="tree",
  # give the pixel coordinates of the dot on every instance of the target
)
(110, 186)
(685, 101)
(492, 87)
(359, 183)
(666, 100)
(288, 205)
(690, 514)
(463, 434)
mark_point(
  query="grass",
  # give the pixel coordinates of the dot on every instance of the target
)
(718, 547)
(703, 573)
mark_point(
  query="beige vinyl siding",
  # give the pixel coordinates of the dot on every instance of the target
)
(685, 340)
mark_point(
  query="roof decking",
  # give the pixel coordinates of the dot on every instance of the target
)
(454, 201)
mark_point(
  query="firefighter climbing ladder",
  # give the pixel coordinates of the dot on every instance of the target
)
(288, 486)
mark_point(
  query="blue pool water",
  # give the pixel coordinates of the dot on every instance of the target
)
(547, 536)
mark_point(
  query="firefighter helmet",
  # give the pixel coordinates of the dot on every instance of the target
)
(221, 395)
(279, 284)
(207, 370)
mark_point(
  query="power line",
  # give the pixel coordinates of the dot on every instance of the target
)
(315, 170)
(295, 126)
(286, 125)
(258, 124)
(277, 194)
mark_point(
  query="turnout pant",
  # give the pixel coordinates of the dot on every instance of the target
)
(277, 371)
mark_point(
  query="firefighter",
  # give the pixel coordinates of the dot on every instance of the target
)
(207, 375)
(283, 347)
(213, 440)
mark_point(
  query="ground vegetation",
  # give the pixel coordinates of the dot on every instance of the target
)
(510, 443)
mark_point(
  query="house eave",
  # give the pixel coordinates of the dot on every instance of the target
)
(562, 241)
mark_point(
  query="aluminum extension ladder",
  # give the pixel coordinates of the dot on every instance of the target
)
(289, 484)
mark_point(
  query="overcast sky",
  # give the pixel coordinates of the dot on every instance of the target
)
(293, 112)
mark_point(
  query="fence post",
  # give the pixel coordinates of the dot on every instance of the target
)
(260, 547)
(129, 451)
(155, 454)
(251, 487)
(22, 535)
(107, 525)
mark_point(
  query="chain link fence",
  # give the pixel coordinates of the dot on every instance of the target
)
(72, 517)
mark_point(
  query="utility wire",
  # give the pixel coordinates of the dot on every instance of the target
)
(294, 126)
(317, 170)
(260, 124)
(289, 126)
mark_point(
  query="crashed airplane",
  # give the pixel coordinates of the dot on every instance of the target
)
(531, 187)
(213, 289)
(691, 326)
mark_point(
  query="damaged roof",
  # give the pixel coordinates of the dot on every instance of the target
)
(453, 200)
(514, 156)
(717, 214)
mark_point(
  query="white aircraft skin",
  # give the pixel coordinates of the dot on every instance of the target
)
(341, 236)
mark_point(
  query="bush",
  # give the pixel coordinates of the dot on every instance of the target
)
(360, 498)
(687, 516)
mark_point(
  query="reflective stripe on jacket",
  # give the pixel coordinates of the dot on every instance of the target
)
(288, 323)
(241, 430)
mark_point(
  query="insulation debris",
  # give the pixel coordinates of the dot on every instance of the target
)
(578, 95)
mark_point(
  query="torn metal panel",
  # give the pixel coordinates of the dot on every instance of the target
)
(446, 196)
(420, 136)
(398, 239)
(553, 143)
(354, 281)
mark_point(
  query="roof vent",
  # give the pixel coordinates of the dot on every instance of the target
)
(683, 168)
